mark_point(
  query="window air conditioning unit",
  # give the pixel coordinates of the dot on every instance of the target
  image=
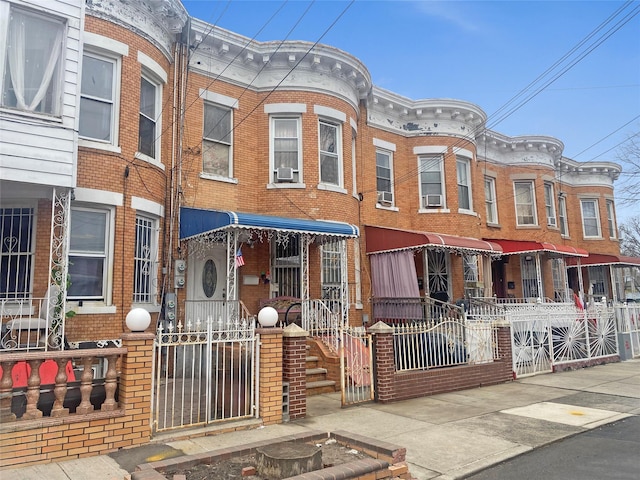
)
(551, 221)
(434, 200)
(385, 197)
(284, 174)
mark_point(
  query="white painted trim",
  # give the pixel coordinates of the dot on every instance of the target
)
(430, 149)
(108, 147)
(104, 197)
(106, 43)
(354, 124)
(148, 159)
(148, 206)
(384, 144)
(220, 99)
(285, 108)
(331, 188)
(463, 152)
(329, 112)
(154, 67)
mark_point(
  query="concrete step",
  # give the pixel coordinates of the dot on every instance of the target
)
(316, 374)
(320, 386)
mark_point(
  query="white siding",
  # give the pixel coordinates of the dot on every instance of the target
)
(35, 149)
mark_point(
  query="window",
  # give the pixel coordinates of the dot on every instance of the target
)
(286, 149)
(562, 215)
(464, 184)
(217, 140)
(330, 153)
(490, 199)
(32, 77)
(97, 98)
(384, 173)
(473, 285)
(525, 203)
(16, 252)
(590, 218)
(598, 282)
(559, 276)
(549, 204)
(431, 182)
(148, 139)
(88, 253)
(286, 267)
(611, 220)
(332, 269)
(144, 264)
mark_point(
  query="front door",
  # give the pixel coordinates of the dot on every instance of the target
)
(206, 285)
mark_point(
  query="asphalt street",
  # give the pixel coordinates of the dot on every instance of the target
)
(609, 452)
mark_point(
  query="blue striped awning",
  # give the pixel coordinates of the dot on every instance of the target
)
(196, 221)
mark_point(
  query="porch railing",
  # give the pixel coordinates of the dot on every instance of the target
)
(27, 324)
(57, 384)
(323, 321)
(628, 323)
(395, 311)
(450, 342)
(221, 312)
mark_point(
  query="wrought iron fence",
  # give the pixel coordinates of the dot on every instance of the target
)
(628, 323)
(395, 311)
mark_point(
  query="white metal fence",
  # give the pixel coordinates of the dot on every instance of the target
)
(356, 365)
(542, 338)
(427, 345)
(204, 371)
(323, 322)
(628, 324)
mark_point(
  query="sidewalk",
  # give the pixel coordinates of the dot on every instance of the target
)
(447, 436)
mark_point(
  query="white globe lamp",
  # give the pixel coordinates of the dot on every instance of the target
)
(268, 317)
(138, 320)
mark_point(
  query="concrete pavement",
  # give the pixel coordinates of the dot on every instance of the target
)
(447, 436)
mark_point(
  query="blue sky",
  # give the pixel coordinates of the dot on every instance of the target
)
(484, 52)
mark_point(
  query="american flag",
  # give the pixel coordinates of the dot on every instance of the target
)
(239, 258)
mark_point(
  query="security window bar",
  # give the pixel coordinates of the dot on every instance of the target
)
(464, 184)
(611, 220)
(598, 282)
(97, 95)
(549, 204)
(525, 204)
(562, 216)
(148, 116)
(490, 199)
(34, 54)
(286, 267)
(590, 218)
(16, 254)
(431, 177)
(286, 146)
(329, 153)
(217, 140)
(331, 269)
(88, 254)
(144, 260)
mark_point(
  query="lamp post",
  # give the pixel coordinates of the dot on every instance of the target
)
(268, 317)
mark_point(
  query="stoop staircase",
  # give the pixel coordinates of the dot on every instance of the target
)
(321, 371)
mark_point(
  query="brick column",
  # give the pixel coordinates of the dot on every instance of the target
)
(383, 362)
(270, 387)
(504, 342)
(294, 358)
(135, 384)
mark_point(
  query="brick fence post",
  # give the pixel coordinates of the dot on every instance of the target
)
(135, 384)
(383, 361)
(270, 374)
(504, 342)
(294, 358)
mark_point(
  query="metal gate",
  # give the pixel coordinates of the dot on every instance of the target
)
(204, 372)
(356, 366)
(542, 340)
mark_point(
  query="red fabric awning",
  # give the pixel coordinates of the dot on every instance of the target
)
(382, 239)
(513, 247)
(605, 259)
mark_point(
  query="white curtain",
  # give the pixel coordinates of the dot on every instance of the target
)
(30, 69)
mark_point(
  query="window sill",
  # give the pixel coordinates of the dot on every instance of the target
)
(285, 185)
(593, 238)
(149, 307)
(90, 309)
(332, 188)
(464, 211)
(390, 208)
(218, 178)
(527, 227)
(493, 225)
(37, 116)
(148, 159)
(107, 147)
(434, 210)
